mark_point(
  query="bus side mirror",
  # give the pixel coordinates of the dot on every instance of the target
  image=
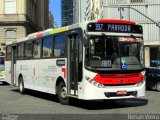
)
(86, 42)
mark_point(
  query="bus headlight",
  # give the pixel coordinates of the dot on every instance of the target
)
(93, 82)
(143, 73)
(140, 83)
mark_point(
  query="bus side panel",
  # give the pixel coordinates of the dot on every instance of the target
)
(25, 68)
(49, 72)
(41, 74)
(46, 71)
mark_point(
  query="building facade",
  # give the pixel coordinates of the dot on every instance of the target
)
(79, 11)
(73, 11)
(18, 18)
(144, 12)
(67, 12)
(51, 20)
(94, 10)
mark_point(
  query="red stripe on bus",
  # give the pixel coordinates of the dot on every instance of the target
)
(39, 35)
(116, 21)
(64, 71)
(117, 79)
(34, 71)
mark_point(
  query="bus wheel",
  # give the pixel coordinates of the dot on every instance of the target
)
(158, 86)
(62, 94)
(21, 85)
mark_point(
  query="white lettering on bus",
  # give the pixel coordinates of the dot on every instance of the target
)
(119, 28)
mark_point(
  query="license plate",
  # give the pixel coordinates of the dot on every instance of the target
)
(124, 92)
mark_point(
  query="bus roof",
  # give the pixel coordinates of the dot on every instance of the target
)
(44, 33)
(52, 31)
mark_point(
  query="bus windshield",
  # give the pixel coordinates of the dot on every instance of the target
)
(114, 53)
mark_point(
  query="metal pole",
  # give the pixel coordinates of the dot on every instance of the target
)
(157, 24)
(79, 11)
(120, 10)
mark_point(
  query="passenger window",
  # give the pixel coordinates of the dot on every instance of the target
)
(20, 51)
(37, 48)
(59, 46)
(28, 50)
(9, 50)
(47, 47)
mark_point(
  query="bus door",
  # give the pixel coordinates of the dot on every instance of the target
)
(74, 64)
(13, 65)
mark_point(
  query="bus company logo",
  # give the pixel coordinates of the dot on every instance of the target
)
(121, 81)
(52, 68)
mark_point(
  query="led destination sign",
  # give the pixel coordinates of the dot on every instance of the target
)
(110, 27)
(119, 28)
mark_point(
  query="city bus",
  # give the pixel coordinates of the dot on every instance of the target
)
(2, 68)
(93, 60)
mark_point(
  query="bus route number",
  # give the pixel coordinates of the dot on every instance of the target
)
(99, 27)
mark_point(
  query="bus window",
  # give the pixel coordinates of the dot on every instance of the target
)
(28, 50)
(37, 48)
(80, 61)
(59, 46)
(8, 57)
(20, 51)
(1, 60)
(47, 47)
(2, 68)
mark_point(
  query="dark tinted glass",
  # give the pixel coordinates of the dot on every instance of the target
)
(47, 47)
(9, 49)
(60, 46)
(37, 48)
(20, 51)
(28, 50)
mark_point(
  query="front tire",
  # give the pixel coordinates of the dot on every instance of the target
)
(21, 85)
(158, 86)
(62, 94)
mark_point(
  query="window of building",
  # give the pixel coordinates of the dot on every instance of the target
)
(47, 47)
(136, 1)
(28, 50)
(20, 51)
(155, 57)
(10, 6)
(37, 48)
(10, 34)
(60, 46)
(8, 55)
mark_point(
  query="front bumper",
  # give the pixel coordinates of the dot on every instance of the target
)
(93, 93)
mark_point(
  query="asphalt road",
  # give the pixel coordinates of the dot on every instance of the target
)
(12, 102)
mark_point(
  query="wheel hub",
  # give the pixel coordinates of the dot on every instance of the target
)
(64, 92)
(21, 86)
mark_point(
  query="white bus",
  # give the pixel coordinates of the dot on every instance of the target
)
(90, 61)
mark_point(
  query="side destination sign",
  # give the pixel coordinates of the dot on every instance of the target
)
(111, 27)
